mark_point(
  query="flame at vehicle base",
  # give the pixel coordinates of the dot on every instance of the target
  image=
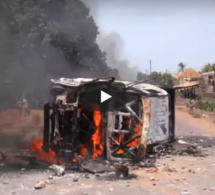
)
(97, 150)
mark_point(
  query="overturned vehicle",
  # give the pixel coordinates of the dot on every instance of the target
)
(75, 132)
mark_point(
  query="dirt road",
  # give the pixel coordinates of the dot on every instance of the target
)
(192, 174)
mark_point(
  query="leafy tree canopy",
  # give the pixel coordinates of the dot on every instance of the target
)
(157, 78)
(181, 67)
(208, 67)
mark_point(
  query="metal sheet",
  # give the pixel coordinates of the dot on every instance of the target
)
(159, 121)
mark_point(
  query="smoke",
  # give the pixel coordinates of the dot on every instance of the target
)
(113, 45)
(93, 6)
(25, 66)
(43, 40)
(52, 39)
(40, 40)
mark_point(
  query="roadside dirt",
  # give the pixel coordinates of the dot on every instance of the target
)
(16, 130)
(206, 120)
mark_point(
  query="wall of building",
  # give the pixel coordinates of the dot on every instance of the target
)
(209, 81)
(187, 80)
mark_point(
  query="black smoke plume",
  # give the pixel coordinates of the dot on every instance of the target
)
(45, 39)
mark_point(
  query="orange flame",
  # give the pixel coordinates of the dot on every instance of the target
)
(97, 137)
(74, 160)
(134, 143)
(84, 152)
(35, 146)
(62, 162)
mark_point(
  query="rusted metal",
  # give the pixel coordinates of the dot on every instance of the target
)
(145, 129)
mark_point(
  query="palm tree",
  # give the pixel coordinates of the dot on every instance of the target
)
(181, 67)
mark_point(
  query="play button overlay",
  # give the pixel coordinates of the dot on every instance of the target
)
(105, 96)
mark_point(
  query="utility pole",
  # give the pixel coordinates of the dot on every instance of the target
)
(150, 70)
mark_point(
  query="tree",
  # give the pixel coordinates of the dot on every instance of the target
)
(157, 78)
(208, 67)
(47, 39)
(181, 67)
(113, 72)
(142, 77)
(168, 80)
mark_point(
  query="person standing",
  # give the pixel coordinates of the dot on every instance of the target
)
(192, 105)
(26, 109)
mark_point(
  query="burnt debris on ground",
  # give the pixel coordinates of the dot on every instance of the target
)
(178, 147)
(101, 169)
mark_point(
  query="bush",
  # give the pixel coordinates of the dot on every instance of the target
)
(200, 105)
(206, 105)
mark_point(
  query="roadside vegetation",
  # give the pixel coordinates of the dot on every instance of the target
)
(208, 67)
(208, 105)
(157, 78)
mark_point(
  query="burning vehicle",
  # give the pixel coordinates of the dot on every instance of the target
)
(77, 133)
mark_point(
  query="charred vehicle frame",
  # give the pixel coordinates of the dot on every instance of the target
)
(147, 119)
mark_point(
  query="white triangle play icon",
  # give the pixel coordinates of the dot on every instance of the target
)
(104, 96)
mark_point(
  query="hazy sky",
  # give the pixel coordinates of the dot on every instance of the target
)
(167, 32)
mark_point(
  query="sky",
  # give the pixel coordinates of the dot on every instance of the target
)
(166, 31)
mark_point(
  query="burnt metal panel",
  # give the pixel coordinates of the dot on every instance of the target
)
(52, 125)
(145, 128)
(151, 116)
(171, 92)
(159, 121)
(46, 127)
